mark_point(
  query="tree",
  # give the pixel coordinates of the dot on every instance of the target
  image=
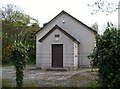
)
(17, 26)
(105, 6)
(95, 26)
(12, 14)
(106, 57)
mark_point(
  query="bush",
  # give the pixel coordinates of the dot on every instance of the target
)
(19, 56)
(32, 55)
(106, 57)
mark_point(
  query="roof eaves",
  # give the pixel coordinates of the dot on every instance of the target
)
(63, 12)
(81, 22)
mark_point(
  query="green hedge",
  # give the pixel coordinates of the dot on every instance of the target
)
(106, 57)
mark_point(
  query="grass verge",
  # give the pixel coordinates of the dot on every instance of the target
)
(12, 83)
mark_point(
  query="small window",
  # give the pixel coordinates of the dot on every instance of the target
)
(57, 35)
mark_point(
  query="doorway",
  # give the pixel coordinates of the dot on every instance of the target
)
(57, 55)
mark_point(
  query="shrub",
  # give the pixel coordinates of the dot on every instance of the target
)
(106, 57)
(19, 56)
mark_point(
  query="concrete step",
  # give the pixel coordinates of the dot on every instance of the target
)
(57, 69)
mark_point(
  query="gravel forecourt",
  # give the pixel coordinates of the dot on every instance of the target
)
(51, 78)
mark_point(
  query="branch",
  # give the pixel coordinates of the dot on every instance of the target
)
(104, 6)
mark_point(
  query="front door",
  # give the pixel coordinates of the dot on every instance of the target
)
(57, 55)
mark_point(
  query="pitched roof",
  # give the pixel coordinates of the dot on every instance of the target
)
(63, 12)
(60, 29)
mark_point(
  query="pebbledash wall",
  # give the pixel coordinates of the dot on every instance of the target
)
(45, 50)
(74, 55)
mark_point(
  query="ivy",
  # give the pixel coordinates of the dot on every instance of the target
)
(19, 57)
(106, 57)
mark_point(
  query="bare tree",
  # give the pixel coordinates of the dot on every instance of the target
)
(95, 26)
(105, 6)
(12, 14)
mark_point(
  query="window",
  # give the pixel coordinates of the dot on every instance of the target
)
(57, 35)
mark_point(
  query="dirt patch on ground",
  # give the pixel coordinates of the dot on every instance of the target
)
(79, 77)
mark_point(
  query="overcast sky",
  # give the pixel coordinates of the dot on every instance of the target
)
(45, 10)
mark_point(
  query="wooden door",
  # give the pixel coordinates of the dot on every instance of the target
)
(57, 55)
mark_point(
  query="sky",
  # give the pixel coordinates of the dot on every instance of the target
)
(45, 10)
